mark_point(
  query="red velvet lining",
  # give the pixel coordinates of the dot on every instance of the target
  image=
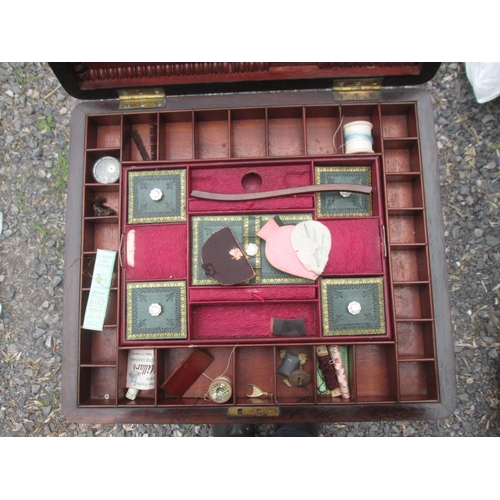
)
(247, 320)
(356, 247)
(251, 293)
(160, 252)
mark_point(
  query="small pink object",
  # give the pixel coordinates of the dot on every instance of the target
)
(340, 372)
(279, 250)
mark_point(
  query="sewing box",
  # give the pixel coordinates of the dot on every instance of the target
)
(170, 131)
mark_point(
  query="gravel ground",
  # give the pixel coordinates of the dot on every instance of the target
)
(34, 136)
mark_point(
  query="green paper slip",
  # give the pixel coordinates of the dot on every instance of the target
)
(95, 312)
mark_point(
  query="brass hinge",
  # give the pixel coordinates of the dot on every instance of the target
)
(357, 89)
(142, 98)
(252, 411)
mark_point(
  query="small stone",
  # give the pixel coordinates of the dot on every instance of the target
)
(39, 332)
(478, 233)
(493, 354)
(492, 241)
(409, 430)
(487, 118)
(48, 342)
(9, 93)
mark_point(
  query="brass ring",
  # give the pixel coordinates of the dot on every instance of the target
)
(307, 394)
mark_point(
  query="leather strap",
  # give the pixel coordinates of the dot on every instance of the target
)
(316, 188)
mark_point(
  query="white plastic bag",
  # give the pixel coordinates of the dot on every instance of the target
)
(485, 80)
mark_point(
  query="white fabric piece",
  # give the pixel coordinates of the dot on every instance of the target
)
(312, 241)
(131, 248)
(485, 80)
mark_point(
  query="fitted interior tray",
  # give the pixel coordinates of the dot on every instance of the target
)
(385, 255)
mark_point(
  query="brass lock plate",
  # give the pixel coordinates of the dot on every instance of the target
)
(251, 411)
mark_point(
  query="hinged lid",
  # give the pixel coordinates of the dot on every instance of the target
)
(104, 80)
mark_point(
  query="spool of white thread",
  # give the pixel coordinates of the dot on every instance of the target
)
(358, 137)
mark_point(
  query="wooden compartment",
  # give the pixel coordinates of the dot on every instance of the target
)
(88, 262)
(401, 155)
(375, 373)
(404, 191)
(322, 123)
(406, 226)
(363, 112)
(98, 348)
(211, 134)
(327, 399)
(111, 318)
(248, 133)
(418, 381)
(412, 301)
(97, 386)
(399, 121)
(91, 158)
(286, 395)
(176, 136)
(255, 365)
(415, 339)
(170, 359)
(142, 124)
(101, 233)
(145, 398)
(103, 132)
(409, 264)
(286, 131)
(109, 193)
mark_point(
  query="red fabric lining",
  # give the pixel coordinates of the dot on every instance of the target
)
(248, 320)
(160, 252)
(244, 293)
(356, 247)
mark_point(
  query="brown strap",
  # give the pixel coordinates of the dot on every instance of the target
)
(316, 188)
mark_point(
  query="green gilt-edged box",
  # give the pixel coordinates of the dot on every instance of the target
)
(337, 204)
(353, 306)
(156, 310)
(244, 229)
(156, 196)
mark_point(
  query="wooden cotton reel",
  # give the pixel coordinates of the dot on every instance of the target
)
(221, 389)
(358, 137)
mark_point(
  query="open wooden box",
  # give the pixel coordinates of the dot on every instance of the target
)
(246, 142)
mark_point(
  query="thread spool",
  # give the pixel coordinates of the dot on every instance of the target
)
(358, 137)
(221, 389)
